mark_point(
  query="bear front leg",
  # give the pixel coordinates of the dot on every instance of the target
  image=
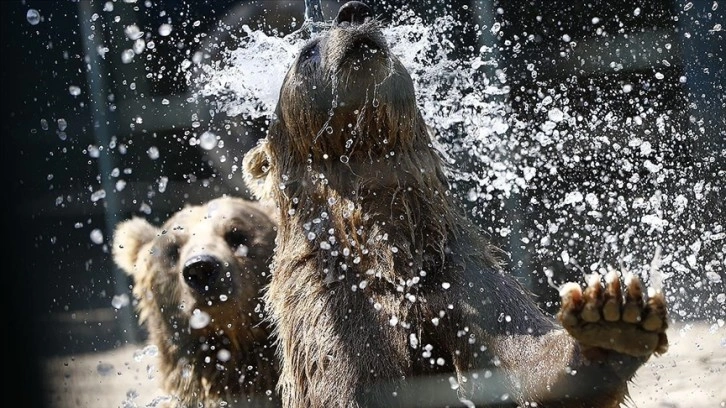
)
(603, 319)
(609, 332)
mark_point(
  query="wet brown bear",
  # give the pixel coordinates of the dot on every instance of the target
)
(198, 280)
(383, 293)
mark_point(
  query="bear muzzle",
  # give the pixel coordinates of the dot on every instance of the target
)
(203, 274)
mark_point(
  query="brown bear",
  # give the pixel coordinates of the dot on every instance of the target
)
(383, 293)
(198, 280)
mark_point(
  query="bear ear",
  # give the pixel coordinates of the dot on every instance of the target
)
(128, 239)
(256, 167)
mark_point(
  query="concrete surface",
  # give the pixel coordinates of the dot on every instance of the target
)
(692, 374)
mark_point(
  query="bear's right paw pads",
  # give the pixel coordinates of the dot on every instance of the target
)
(604, 317)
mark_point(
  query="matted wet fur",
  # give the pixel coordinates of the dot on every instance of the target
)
(383, 292)
(198, 280)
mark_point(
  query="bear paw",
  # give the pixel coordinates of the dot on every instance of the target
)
(603, 317)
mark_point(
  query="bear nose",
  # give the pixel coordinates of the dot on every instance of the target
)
(201, 271)
(353, 12)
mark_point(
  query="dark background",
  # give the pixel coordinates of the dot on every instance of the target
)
(62, 283)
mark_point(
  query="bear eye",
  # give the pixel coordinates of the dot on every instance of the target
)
(171, 253)
(236, 238)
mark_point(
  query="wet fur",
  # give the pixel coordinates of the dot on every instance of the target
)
(373, 249)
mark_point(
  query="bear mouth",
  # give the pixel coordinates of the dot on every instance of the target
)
(358, 50)
(358, 61)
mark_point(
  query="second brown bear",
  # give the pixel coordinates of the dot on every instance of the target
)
(198, 281)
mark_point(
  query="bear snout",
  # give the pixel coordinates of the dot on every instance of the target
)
(201, 272)
(353, 12)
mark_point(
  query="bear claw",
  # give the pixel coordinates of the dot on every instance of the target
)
(612, 318)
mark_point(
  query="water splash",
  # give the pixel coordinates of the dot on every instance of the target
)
(247, 80)
(626, 200)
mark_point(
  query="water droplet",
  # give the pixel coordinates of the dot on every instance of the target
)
(163, 183)
(151, 350)
(208, 140)
(33, 16)
(74, 90)
(104, 369)
(153, 152)
(556, 115)
(199, 319)
(139, 46)
(133, 33)
(98, 195)
(120, 185)
(165, 30)
(413, 340)
(242, 251)
(573, 197)
(186, 371)
(119, 301)
(97, 236)
(94, 151)
(713, 277)
(127, 56)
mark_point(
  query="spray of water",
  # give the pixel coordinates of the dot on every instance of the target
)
(632, 210)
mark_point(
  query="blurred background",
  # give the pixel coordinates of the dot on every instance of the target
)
(102, 122)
